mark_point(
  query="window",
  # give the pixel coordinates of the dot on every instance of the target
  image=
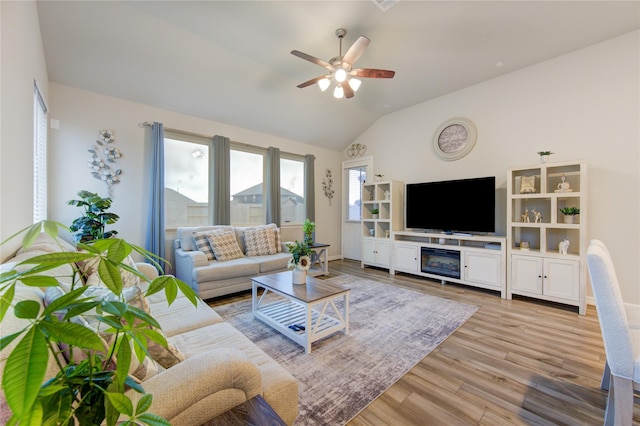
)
(355, 177)
(247, 186)
(186, 180)
(39, 156)
(292, 196)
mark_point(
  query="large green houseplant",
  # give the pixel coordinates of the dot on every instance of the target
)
(92, 389)
(91, 225)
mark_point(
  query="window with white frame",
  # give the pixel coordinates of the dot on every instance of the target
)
(246, 166)
(187, 179)
(355, 177)
(39, 156)
(292, 195)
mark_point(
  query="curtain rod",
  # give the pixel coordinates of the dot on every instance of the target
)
(198, 135)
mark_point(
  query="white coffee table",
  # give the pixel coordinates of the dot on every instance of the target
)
(311, 307)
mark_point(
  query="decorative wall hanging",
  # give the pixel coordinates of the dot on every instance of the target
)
(104, 162)
(356, 150)
(455, 139)
(327, 185)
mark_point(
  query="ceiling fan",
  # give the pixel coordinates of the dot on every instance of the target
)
(341, 69)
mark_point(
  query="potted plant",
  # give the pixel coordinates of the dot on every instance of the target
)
(91, 225)
(543, 155)
(300, 261)
(569, 213)
(90, 390)
(375, 212)
(308, 228)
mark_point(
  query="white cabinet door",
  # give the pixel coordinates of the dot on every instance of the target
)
(482, 268)
(383, 253)
(369, 251)
(561, 279)
(406, 257)
(526, 274)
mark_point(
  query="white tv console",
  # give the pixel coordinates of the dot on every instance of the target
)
(478, 261)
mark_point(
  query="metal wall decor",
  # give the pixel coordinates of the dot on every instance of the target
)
(356, 150)
(327, 185)
(104, 162)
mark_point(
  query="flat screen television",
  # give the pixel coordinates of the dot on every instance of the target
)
(464, 205)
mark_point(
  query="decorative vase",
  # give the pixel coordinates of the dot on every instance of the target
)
(374, 215)
(299, 276)
(569, 218)
(308, 239)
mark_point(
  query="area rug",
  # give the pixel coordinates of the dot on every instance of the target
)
(391, 329)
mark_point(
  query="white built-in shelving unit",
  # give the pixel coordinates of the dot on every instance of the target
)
(540, 270)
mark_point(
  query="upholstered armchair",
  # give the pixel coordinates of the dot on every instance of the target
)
(621, 335)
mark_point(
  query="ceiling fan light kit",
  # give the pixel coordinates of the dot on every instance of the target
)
(341, 69)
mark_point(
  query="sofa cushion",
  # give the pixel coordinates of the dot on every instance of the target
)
(224, 270)
(47, 244)
(272, 262)
(181, 316)
(225, 246)
(259, 241)
(185, 234)
(276, 234)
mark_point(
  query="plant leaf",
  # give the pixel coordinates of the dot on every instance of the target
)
(6, 340)
(64, 300)
(74, 334)
(143, 404)
(6, 300)
(25, 370)
(121, 403)
(110, 276)
(27, 309)
(153, 420)
(57, 259)
(39, 281)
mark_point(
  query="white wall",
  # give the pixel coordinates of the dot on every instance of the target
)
(82, 114)
(582, 106)
(22, 63)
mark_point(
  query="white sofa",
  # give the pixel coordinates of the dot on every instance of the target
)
(222, 367)
(214, 278)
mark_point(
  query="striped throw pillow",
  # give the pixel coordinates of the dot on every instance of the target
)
(202, 242)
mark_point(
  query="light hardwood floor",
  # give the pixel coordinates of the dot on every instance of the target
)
(514, 362)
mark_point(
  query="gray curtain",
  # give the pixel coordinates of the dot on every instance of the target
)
(309, 186)
(222, 177)
(272, 203)
(155, 241)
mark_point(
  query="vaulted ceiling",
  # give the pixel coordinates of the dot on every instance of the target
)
(230, 61)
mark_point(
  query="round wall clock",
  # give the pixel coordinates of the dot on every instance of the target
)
(455, 139)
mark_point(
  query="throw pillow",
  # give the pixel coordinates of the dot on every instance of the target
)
(90, 267)
(203, 243)
(276, 233)
(225, 246)
(260, 241)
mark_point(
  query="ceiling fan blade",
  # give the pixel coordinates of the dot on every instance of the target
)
(313, 59)
(372, 73)
(348, 91)
(310, 82)
(355, 50)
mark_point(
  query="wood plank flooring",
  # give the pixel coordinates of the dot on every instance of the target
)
(514, 362)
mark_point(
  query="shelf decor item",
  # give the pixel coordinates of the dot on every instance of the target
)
(527, 184)
(563, 246)
(375, 213)
(544, 155)
(570, 214)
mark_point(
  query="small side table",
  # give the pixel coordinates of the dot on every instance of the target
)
(254, 412)
(319, 263)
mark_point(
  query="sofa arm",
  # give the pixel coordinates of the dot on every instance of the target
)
(187, 261)
(202, 386)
